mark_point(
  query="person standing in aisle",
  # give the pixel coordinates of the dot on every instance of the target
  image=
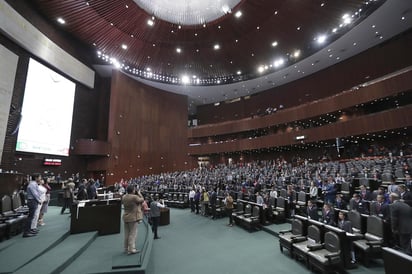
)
(132, 214)
(33, 201)
(155, 214)
(229, 207)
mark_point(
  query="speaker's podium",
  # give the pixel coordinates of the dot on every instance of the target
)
(101, 215)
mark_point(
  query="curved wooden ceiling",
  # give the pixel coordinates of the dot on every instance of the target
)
(119, 29)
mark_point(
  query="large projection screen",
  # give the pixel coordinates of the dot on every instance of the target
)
(47, 112)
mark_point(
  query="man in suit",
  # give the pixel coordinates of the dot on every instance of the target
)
(312, 210)
(404, 194)
(356, 203)
(328, 216)
(401, 222)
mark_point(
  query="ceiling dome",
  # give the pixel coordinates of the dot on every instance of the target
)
(188, 12)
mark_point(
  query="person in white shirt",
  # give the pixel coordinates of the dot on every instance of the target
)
(42, 191)
(191, 199)
(155, 213)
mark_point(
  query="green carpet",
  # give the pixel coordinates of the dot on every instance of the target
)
(196, 244)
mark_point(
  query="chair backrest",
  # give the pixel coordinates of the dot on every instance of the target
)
(255, 212)
(6, 204)
(332, 242)
(175, 197)
(248, 209)
(16, 202)
(280, 203)
(374, 226)
(283, 193)
(355, 218)
(302, 196)
(345, 188)
(314, 234)
(239, 206)
(272, 202)
(297, 227)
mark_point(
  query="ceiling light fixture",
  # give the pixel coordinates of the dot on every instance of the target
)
(238, 14)
(150, 22)
(216, 47)
(61, 20)
(321, 39)
(188, 13)
(124, 46)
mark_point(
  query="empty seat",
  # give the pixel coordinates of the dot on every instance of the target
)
(327, 257)
(279, 213)
(371, 244)
(300, 244)
(286, 237)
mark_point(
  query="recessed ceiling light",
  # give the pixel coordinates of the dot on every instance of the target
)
(216, 47)
(403, 18)
(185, 79)
(124, 46)
(150, 22)
(61, 20)
(279, 62)
(321, 39)
(238, 72)
(127, 6)
(238, 14)
(296, 54)
(298, 28)
(274, 43)
(178, 50)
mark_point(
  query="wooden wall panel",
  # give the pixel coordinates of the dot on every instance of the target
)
(384, 88)
(146, 134)
(386, 120)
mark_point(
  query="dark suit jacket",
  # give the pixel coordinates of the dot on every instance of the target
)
(328, 218)
(401, 217)
(345, 226)
(312, 213)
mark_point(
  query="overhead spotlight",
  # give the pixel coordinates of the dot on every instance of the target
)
(178, 50)
(279, 62)
(216, 46)
(238, 72)
(346, 19)
(261, 69)
(124, 46)
(296, 54)
(238, 14)
(274, 43)
(185, 79)
(321, 39)
(150, 22)
(61, 20)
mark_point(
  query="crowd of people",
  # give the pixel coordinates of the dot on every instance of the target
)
(257, 181)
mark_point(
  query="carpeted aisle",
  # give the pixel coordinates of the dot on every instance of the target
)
(196, 244)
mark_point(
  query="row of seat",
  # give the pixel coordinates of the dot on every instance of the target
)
(326, 247)
(248, 215)
(176, 199)
(13, 216)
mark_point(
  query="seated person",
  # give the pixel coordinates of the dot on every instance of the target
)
(312, 210)
(356, 203)
(340, 202)
(346, 225)
(328, 215)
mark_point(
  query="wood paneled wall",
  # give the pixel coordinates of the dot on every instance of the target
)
(386, 120)
(387, 87)
(147, 130)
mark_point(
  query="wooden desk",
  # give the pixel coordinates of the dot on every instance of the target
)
(101, 215)
(164, 216)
